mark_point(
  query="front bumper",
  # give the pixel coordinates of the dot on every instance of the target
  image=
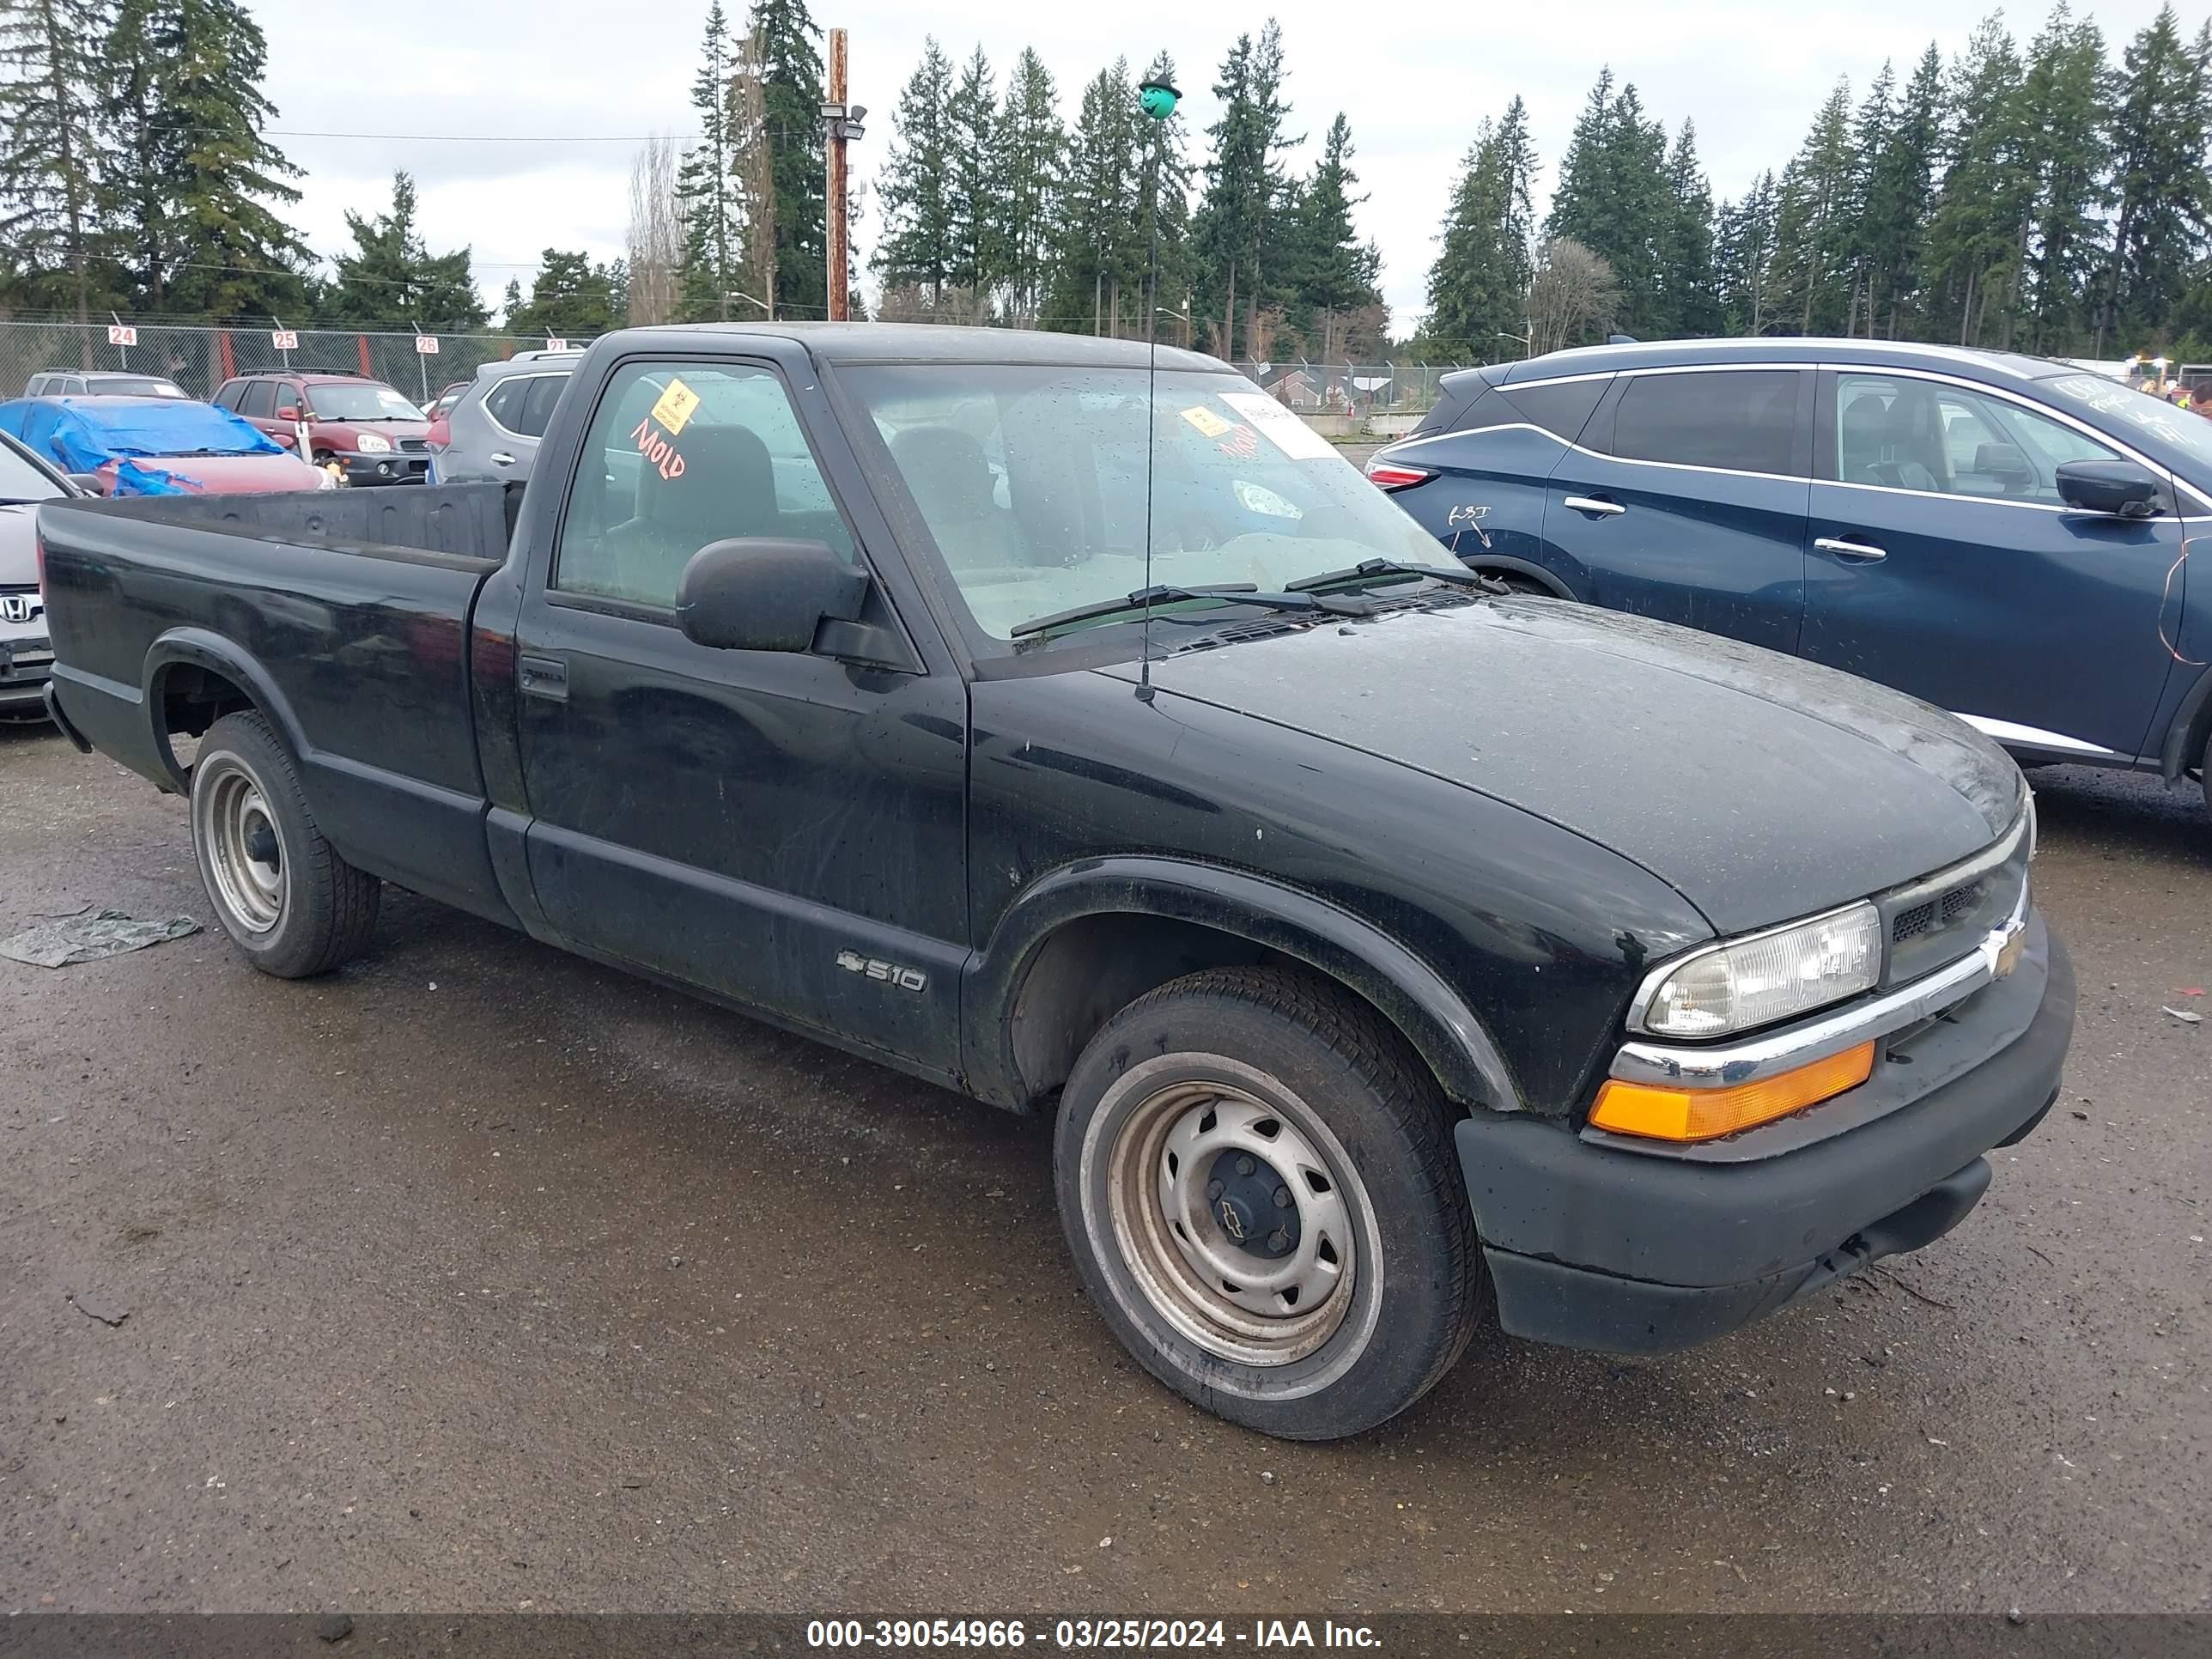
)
(25, 665)
(400, 467)
(1594, 1244)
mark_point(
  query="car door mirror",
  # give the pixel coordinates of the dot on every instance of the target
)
(2120, 488)
(763, 594)
(91, 482)
(2006, 461)
(288, 412)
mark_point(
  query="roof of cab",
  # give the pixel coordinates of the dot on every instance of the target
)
(933, 342)
(1992, 366)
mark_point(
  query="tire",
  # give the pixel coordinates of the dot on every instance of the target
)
(1171, 1127)
(289, 903)
(1519, 584)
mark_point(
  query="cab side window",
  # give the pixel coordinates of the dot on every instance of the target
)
(259, 400)
(1908, 433)
(680, 456)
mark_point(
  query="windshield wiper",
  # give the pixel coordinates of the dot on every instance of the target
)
(1371, 569)
(1231, 592)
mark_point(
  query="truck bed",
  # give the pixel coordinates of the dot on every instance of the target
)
(342, 615)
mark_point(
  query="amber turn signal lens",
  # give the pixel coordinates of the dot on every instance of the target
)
(1659, 1113)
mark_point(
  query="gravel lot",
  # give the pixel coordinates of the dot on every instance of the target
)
(477, 1277)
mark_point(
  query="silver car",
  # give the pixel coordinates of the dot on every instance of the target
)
(495, 428)
(25, 658)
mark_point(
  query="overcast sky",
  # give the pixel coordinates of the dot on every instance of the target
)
(537, 87)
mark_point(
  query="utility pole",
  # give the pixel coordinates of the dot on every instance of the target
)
(839, 124)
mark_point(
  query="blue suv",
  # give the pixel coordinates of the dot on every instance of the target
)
(2006, 537)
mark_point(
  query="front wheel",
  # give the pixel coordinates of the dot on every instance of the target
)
(287, 901)
(1258, 1185)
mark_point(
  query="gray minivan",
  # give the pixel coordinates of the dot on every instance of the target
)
(493, 430)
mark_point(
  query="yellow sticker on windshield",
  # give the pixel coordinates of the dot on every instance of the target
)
(1206, 420)
(676, 406)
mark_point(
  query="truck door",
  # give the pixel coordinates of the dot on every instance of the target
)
(783, 830)
(1685, 500)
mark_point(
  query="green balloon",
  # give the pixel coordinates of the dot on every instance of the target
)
(1157, 100)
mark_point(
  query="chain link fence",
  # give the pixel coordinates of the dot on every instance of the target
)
(200, 359)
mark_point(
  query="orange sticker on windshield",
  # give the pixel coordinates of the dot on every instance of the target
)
(676, 406)
(1211, 424)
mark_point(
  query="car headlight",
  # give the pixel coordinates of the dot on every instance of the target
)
(369, 444)
(1770, 976)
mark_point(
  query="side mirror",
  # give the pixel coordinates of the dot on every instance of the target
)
(2120, 489)
(91, 482)
(288, 413)
(761, 593)
(2001, 461)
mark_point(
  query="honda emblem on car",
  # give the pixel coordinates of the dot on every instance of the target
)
(18, 607)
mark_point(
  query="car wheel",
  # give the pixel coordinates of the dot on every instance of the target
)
(1521, 584)
(287, 901)
(1257, 1180)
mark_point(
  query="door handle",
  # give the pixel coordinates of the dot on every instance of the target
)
(1854, 552)
(502, 458)
(543, 676)
(1591, 504)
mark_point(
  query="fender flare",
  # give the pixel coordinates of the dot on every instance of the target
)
(1449, 1035)
(2186, 735)
(1504, 564)
(201, 648)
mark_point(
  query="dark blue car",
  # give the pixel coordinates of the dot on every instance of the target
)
(2006, 537)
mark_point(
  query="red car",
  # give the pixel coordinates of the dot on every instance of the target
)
(170, 444)
(373, 433)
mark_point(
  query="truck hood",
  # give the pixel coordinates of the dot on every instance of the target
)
(1758, 786)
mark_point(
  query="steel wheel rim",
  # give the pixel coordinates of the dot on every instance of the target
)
(1279, 1294)
(244, 847)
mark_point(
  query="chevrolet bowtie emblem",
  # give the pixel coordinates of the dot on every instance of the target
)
(1230, 1223)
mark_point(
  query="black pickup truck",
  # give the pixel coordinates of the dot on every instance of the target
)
(1081, 733)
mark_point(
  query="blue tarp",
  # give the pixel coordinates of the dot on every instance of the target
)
(83, 435)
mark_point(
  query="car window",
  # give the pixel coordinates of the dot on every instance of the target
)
(545, 392)
(37, 387)
(1562, 409)
(680, 456)
(503, 403)
(1743, 420)
(259, 400)
(1904, 433)
(226, 396)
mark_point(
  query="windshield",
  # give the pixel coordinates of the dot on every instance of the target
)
(364, 401)
(20, 480)
(1031, 481)
(2130, 410)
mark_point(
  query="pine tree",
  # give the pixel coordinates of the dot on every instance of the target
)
(791, 74)
(2065, 153)
(1164, 168)
(392, 277)
(1984, 198)
(1479, 286)
(192, 178)
(1899, 191)
(1814, 228)
(1332, 273)
(2164, 198)
(1689, 285)
(1101, 244)
(916, 184)
(1028, 150)
(971, 210)
(570, 297)
(52, 145)
(1613, 199)
(1244, 191)
(1744, 257)
(1582, 203)
(704, 184)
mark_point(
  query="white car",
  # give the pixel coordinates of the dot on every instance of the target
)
(25, 658)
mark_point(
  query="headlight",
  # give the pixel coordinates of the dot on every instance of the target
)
(1766, 977)
(369, 444)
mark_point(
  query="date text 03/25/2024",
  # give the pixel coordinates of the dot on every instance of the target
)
(1086, 1634)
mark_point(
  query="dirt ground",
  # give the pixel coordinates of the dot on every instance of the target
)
(476, 1276)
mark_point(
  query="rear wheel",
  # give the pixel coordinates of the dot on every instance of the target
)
(1258, 1185)
(287, 901)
